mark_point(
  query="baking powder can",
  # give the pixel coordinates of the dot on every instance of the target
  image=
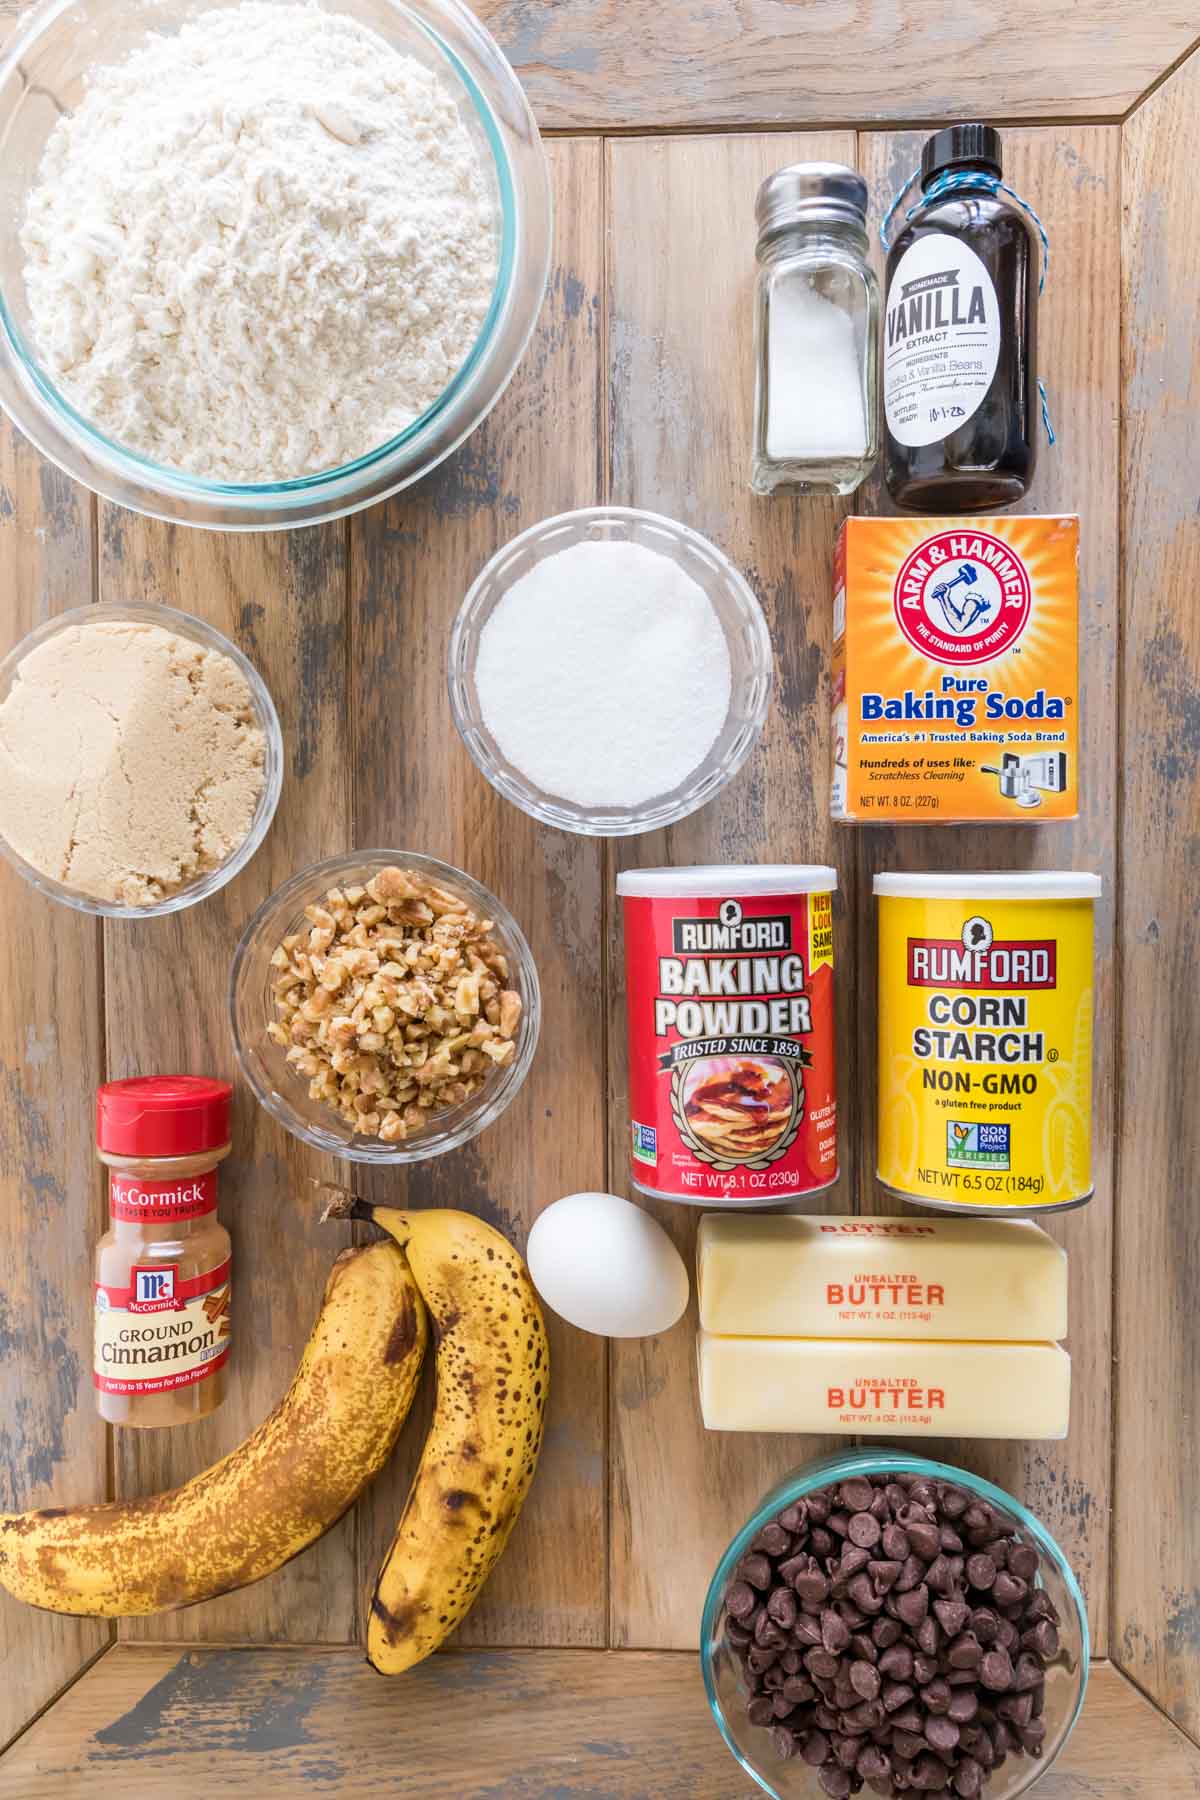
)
(729, 1003)
(985, 1040)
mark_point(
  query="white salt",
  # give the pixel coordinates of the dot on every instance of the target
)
(603, 675)
(814, 377)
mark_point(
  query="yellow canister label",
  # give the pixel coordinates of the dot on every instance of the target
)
(985, 1051)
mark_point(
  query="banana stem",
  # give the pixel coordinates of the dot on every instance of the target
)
(342, 1204)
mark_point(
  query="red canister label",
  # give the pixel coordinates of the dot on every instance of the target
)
(732, 1089)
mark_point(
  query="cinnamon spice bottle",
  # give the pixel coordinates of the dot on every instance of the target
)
(162, 1287)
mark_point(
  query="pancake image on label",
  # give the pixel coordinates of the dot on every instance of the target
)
(738, 1107)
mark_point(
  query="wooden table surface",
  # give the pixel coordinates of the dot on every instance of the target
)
(663, 116)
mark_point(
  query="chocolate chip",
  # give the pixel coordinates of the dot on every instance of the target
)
(895, 1543)
(756, 1569)
(797, 1691)
(964, 1704)
(873, 1761)
(816, 1749)
(910, 1718)
(857, 1494)
(845, 1750)
(767, 1632)
(1023, 1561)
(864, 1679)
(812, 1587)
(985, 1624)
(739, 1600)
(1028, 1674)
(935, 1696)
(783, 1741)
(912, 1607)
(806, 1631)
(908, 1743)
(864, 1530)
(1016, 1708)
(835, 1633)
(737, 1634)
(912, 1571)
(761, 1710)
(862, 1647)
(968, 1779)
(793, 1517)
(996, 1671)
(783, 1709)
(774, 1540)
(942, 1733)
(897, 1694)
(821, 1542)
(1043, 1639)
(930, 1775)
(924, 1539)
(853, 1558)
(981, 1571)
(835, 1782)
(1009, 1590)
(929, 1636)
(924, 1668)
(951, 1615)
(940, 1575)
(783, 1608)
(897, 1661)
(839, 1522)
(886, 1632)
(822, 1663)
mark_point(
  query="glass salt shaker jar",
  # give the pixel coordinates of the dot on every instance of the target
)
(816, 329)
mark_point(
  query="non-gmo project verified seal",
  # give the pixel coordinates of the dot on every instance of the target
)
(645, 1144)
(976, 1146)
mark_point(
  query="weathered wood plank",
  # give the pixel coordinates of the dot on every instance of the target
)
(1156, 1574)
(416, 788)
(605, 65)
(539, 1725)
(637, 65)
(51, 1057)
(1071, 174)
(283, 600)
(681, 275)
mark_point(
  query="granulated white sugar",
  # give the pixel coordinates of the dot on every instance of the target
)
(260, 246)
(604, 675)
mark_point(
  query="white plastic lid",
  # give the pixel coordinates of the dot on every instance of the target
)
(719, 880)
(1025, 884)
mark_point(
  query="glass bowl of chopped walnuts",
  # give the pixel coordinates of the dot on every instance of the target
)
(385, 1006)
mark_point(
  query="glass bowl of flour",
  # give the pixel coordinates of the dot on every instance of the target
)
(610, 671)
(262, 262)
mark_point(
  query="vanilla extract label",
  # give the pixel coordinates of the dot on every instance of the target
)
(941, 339)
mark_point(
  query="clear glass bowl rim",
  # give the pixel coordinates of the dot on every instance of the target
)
(862, 1460)
(197, 631)
(476, 1114)
(260, 506)
(561, 814)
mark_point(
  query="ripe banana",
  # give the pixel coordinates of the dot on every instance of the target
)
(493, 1376)
(268, 1499)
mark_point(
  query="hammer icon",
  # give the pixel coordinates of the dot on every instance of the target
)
(961, 618)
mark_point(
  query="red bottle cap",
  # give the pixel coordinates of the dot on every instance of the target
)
(163, 1115)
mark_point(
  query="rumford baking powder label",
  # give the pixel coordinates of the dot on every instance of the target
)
(731, 1046)
(160, 1331)
(985, 1051)
(955, 669)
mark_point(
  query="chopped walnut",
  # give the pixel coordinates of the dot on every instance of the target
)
(394, 1004)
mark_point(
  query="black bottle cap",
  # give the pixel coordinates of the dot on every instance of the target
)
(946, 149)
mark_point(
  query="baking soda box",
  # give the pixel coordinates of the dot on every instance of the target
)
(956, 670)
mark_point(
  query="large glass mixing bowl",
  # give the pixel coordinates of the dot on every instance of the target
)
(42, 75)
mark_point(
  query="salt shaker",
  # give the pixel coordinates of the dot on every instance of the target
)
(816, 329)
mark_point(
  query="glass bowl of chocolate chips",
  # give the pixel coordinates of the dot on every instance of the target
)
(889, 1625)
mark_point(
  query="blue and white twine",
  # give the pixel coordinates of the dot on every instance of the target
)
(955, 181)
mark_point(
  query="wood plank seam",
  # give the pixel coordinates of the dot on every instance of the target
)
(1159, 81)
(1145, 1694)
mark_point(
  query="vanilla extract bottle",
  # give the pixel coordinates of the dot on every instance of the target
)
(960, 336)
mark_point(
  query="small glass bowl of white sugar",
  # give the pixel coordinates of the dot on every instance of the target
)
(609, 671)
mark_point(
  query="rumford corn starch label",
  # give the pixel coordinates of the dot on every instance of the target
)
(729, 996)
(985, 1039)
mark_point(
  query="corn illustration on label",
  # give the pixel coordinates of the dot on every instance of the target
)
(985, 1051)
(955, 669)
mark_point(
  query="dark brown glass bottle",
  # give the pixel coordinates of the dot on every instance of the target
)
(960, 336)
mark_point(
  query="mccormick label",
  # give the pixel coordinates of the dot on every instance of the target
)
(985, 1052)
(131, 1199)
(955, 669)
(160, 1331)
(731, 1046)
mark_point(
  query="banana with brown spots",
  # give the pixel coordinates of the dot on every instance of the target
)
(493, 1376)
(267, 1500)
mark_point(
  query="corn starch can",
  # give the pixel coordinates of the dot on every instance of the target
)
(985, 1040)
(729, 1000)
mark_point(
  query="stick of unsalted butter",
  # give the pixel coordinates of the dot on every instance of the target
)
(882, 1387)
(785, 1276)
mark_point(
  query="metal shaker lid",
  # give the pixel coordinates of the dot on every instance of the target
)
(816, 192)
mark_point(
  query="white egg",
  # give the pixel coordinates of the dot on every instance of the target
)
(607, 1267)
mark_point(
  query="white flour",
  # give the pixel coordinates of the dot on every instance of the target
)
(604, 674)
(261, 247)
